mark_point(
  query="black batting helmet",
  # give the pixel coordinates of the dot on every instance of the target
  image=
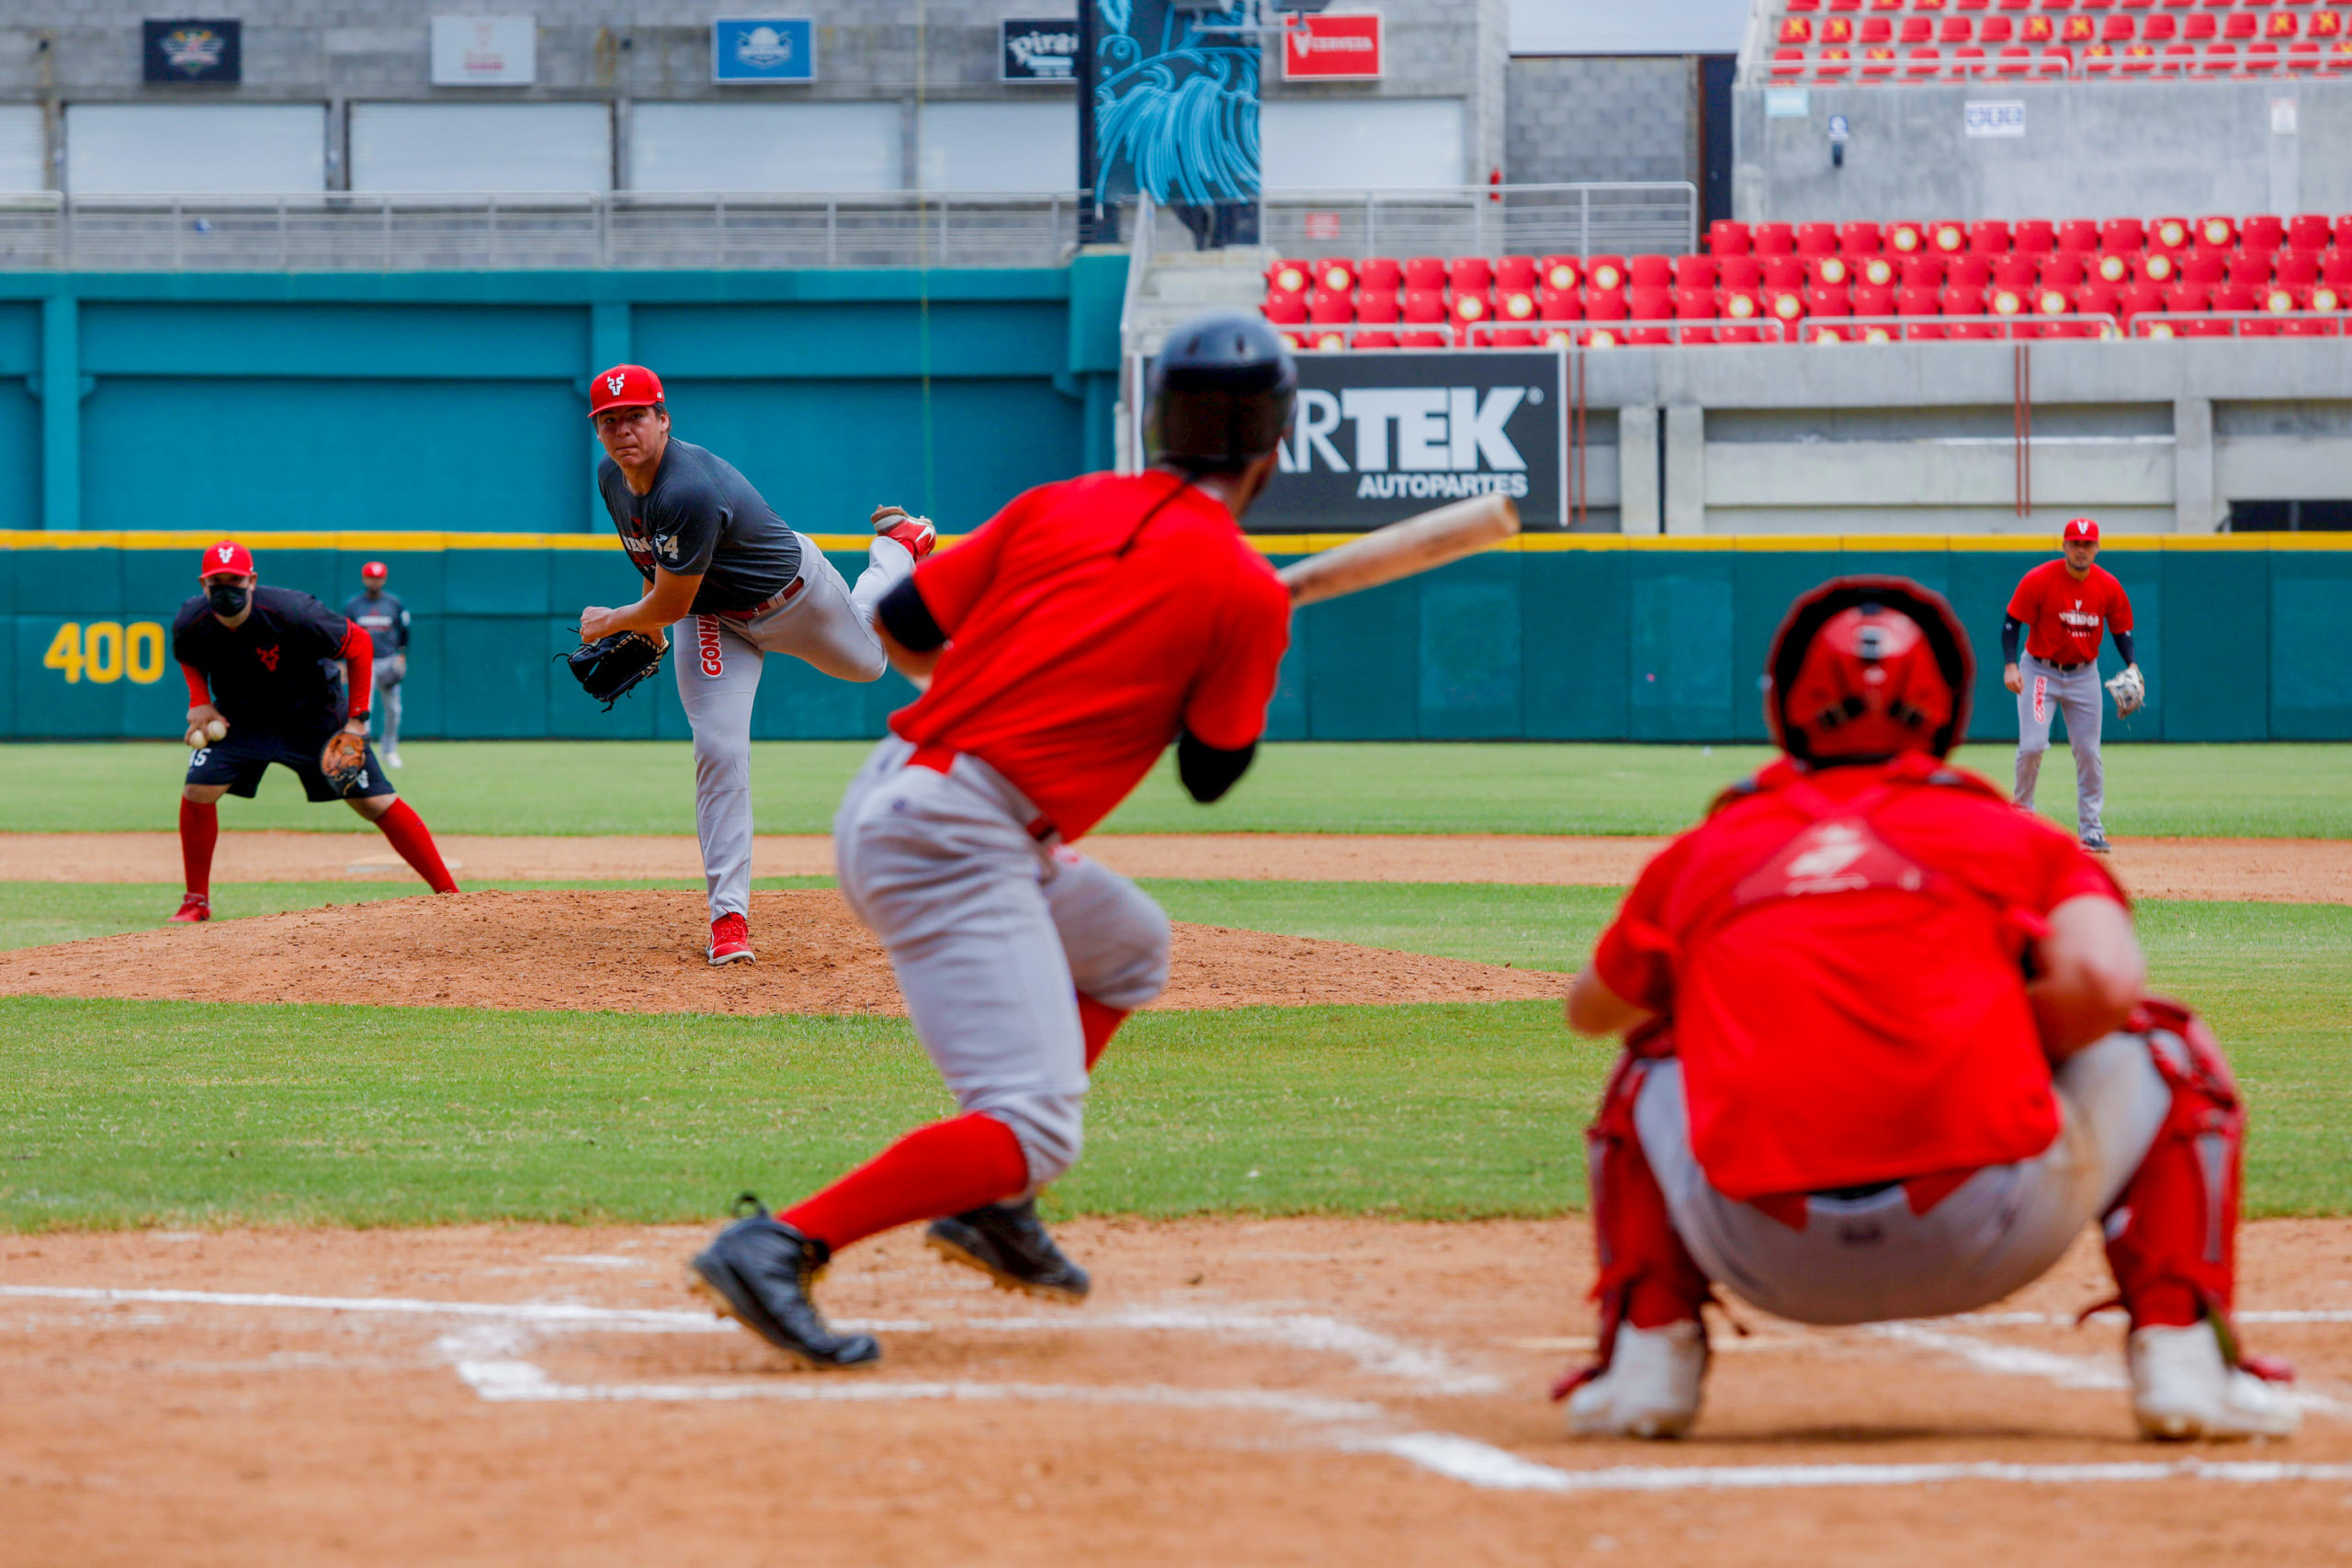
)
(1863, 668)
(1221, 394)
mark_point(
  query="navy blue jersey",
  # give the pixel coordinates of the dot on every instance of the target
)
(281, 672)
(383, 617)
(703, 518)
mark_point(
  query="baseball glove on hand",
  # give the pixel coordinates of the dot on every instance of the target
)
(344, 761)
(610, 668)
(2130, 690)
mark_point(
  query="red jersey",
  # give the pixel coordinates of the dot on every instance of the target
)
(1087, 621)
(1837, 953)
(2065, 618)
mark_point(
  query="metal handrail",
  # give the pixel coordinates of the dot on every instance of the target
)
(1139, 252)
(2237, 320)
(2013, 327)
(1636, 216)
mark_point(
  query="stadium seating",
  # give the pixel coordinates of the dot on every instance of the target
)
(1854, 282)
(1930, 40)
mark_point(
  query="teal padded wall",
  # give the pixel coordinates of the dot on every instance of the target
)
(1657, 642)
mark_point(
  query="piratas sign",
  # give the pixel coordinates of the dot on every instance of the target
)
(1380, 436)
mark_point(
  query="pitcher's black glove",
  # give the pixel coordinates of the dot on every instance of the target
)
(610, 668)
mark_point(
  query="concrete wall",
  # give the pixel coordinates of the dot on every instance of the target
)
(1434, 49)
(2090, 149)
(2148, 436)
(1594, 118)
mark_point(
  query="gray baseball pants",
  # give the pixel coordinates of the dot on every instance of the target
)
(994, 932)
(385, 700)
(2077, 690)
(830, 625)
(1870, 1259)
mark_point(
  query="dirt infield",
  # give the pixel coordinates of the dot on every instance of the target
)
(1321, 1392)
(642, 951)
(2302, 871)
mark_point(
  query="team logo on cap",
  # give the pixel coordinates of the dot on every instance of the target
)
(613, 384)
(227, 553)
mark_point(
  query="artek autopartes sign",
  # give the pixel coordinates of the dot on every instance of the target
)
(1380, 435)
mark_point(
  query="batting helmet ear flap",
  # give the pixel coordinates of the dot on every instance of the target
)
(1947, 644)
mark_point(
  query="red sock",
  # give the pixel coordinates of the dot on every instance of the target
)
(409, 835)
(199, 830)
(945, 1168)
(1100, 1022)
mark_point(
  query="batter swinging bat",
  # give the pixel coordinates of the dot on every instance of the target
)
(1418, 544)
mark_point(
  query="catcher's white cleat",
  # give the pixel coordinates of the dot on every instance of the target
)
(2181, 1388)
(1651, 1389)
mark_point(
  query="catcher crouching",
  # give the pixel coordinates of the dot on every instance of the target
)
(262, 687)
(1887, 1053)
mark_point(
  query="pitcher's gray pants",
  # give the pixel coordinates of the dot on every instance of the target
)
(2077, 690)
(993, 934)
(1872, 1259)
(384, 702)
(831, 626)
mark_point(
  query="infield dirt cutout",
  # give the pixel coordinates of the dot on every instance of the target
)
(1311, 1390)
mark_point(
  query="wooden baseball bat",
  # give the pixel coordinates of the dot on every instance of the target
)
(1418, 544)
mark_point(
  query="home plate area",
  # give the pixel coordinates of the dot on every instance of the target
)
(1297, 1389)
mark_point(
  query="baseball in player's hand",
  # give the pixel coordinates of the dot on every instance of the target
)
(2012, 678)
(595, 621)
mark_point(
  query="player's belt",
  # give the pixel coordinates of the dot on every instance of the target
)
(2063, 669)
(790, 591)
(941, 759)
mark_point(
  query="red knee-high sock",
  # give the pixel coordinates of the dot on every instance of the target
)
(1100, 1022)
(199, 830)
(945, 1168)
(409, 835)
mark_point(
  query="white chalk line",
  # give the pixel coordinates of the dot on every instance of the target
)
(2066, 1371)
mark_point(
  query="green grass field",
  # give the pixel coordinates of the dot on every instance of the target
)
(142, 1112)
(2272, 791)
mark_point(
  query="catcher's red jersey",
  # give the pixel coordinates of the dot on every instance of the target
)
(1087, 620)
(1837, 952)
(2065, 619)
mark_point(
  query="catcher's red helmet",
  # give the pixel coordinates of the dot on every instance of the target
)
(1865, 666)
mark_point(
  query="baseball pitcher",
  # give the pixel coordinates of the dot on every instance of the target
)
(715, 556)
(262, 687)
(1887, 1054)
(385, 620)
(2063, 607)
(1067, 643)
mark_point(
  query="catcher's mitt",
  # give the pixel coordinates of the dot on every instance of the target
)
(344, 761)
(610, 668)
(2130, 690)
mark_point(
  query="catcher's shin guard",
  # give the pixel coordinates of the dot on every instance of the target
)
(1649, 1279)
(2172, 1233)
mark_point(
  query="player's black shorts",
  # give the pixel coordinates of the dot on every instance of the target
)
(241, 758)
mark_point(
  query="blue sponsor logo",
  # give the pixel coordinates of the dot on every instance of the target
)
(763, 49)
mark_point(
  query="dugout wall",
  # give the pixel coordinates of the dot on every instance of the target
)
(1560, 638)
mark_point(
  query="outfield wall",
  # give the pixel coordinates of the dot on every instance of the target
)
(1559, 637)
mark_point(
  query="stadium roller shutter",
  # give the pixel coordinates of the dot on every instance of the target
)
(768, 147)
(1359, 143)
(194, 149)
(484, 148)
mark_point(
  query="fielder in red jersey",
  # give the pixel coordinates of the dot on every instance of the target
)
(2066, 608)
(1888, 1054)
(1065, 645)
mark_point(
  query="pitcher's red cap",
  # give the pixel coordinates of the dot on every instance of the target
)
(624, 386)
(374, 568)
(228, 556)
(2082, 531)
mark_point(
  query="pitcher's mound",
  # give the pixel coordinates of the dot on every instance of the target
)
(642, 951)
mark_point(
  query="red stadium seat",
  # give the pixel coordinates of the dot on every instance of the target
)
(1647, 302)
(1966, 301)
(2033, 236)
(1922, 64)
(2139, 298)
(1910, 303)
(1286, 307)
(1560, 272)
(2251, 270)
(1860, 239)
(1833, 64)
(1604, 304)
(1327, 340)
(1380, 271)
(2171, 234)
(1330, 308)
(1468, 306)
(1514, 304)
(1773, 239)
(2159, 29)
(1650, 272)
(2327, 297)
(1817, 239)
(1872, 299)
(1335, 273)
(1916, 31)
(1694, 272)
(2014, 272)
(2198, 30)
(2219, 60)
(1425, 271)
(2206, 266)
(1967, 62)
(1559, 305)
(1923, 272)
(1511, 337)
(2262, 231)
(1376, 340)
(1948, 236)
(1784, 272)
(1796, 29)
(1424, 340)
(2079, 234)
(1423, 307)
(1830, 272)
(2336, 268)
(2123, 235)
(1727, 237)
(2111, 266)
(2158, 268)
(1289, 276)
(1955, 29)
(1515, 272)
(2100, 299)
(2060, 269)
(1881, 271)
(1968, 272)
(2006, 300)
(1473, 274)
(1378, 307)
(2240, 26)
(1877, 30)
(1605, 273)
(1694, 305)
(1785, 305)
(2309, 231)
(1910, 239)
(1739, 272)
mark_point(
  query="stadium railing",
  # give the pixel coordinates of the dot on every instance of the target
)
(1657, 217)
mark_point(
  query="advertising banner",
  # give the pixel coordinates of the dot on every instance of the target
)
(1382, 434)
(763, 49)
(1037, 48)
(485, 51)
(1329, 48)
(193, 50)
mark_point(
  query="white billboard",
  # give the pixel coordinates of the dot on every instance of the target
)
(485, 51)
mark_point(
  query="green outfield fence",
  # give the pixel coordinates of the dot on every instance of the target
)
(1553, 637)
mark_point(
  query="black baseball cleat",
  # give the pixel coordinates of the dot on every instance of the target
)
(2095, 841)
(1007, 1243)
(758, 1271)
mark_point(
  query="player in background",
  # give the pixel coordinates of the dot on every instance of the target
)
(1887, 1054)
(264, 661)
(385, 620)
(1067, 643)
(2063, 607)
(709, 548)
